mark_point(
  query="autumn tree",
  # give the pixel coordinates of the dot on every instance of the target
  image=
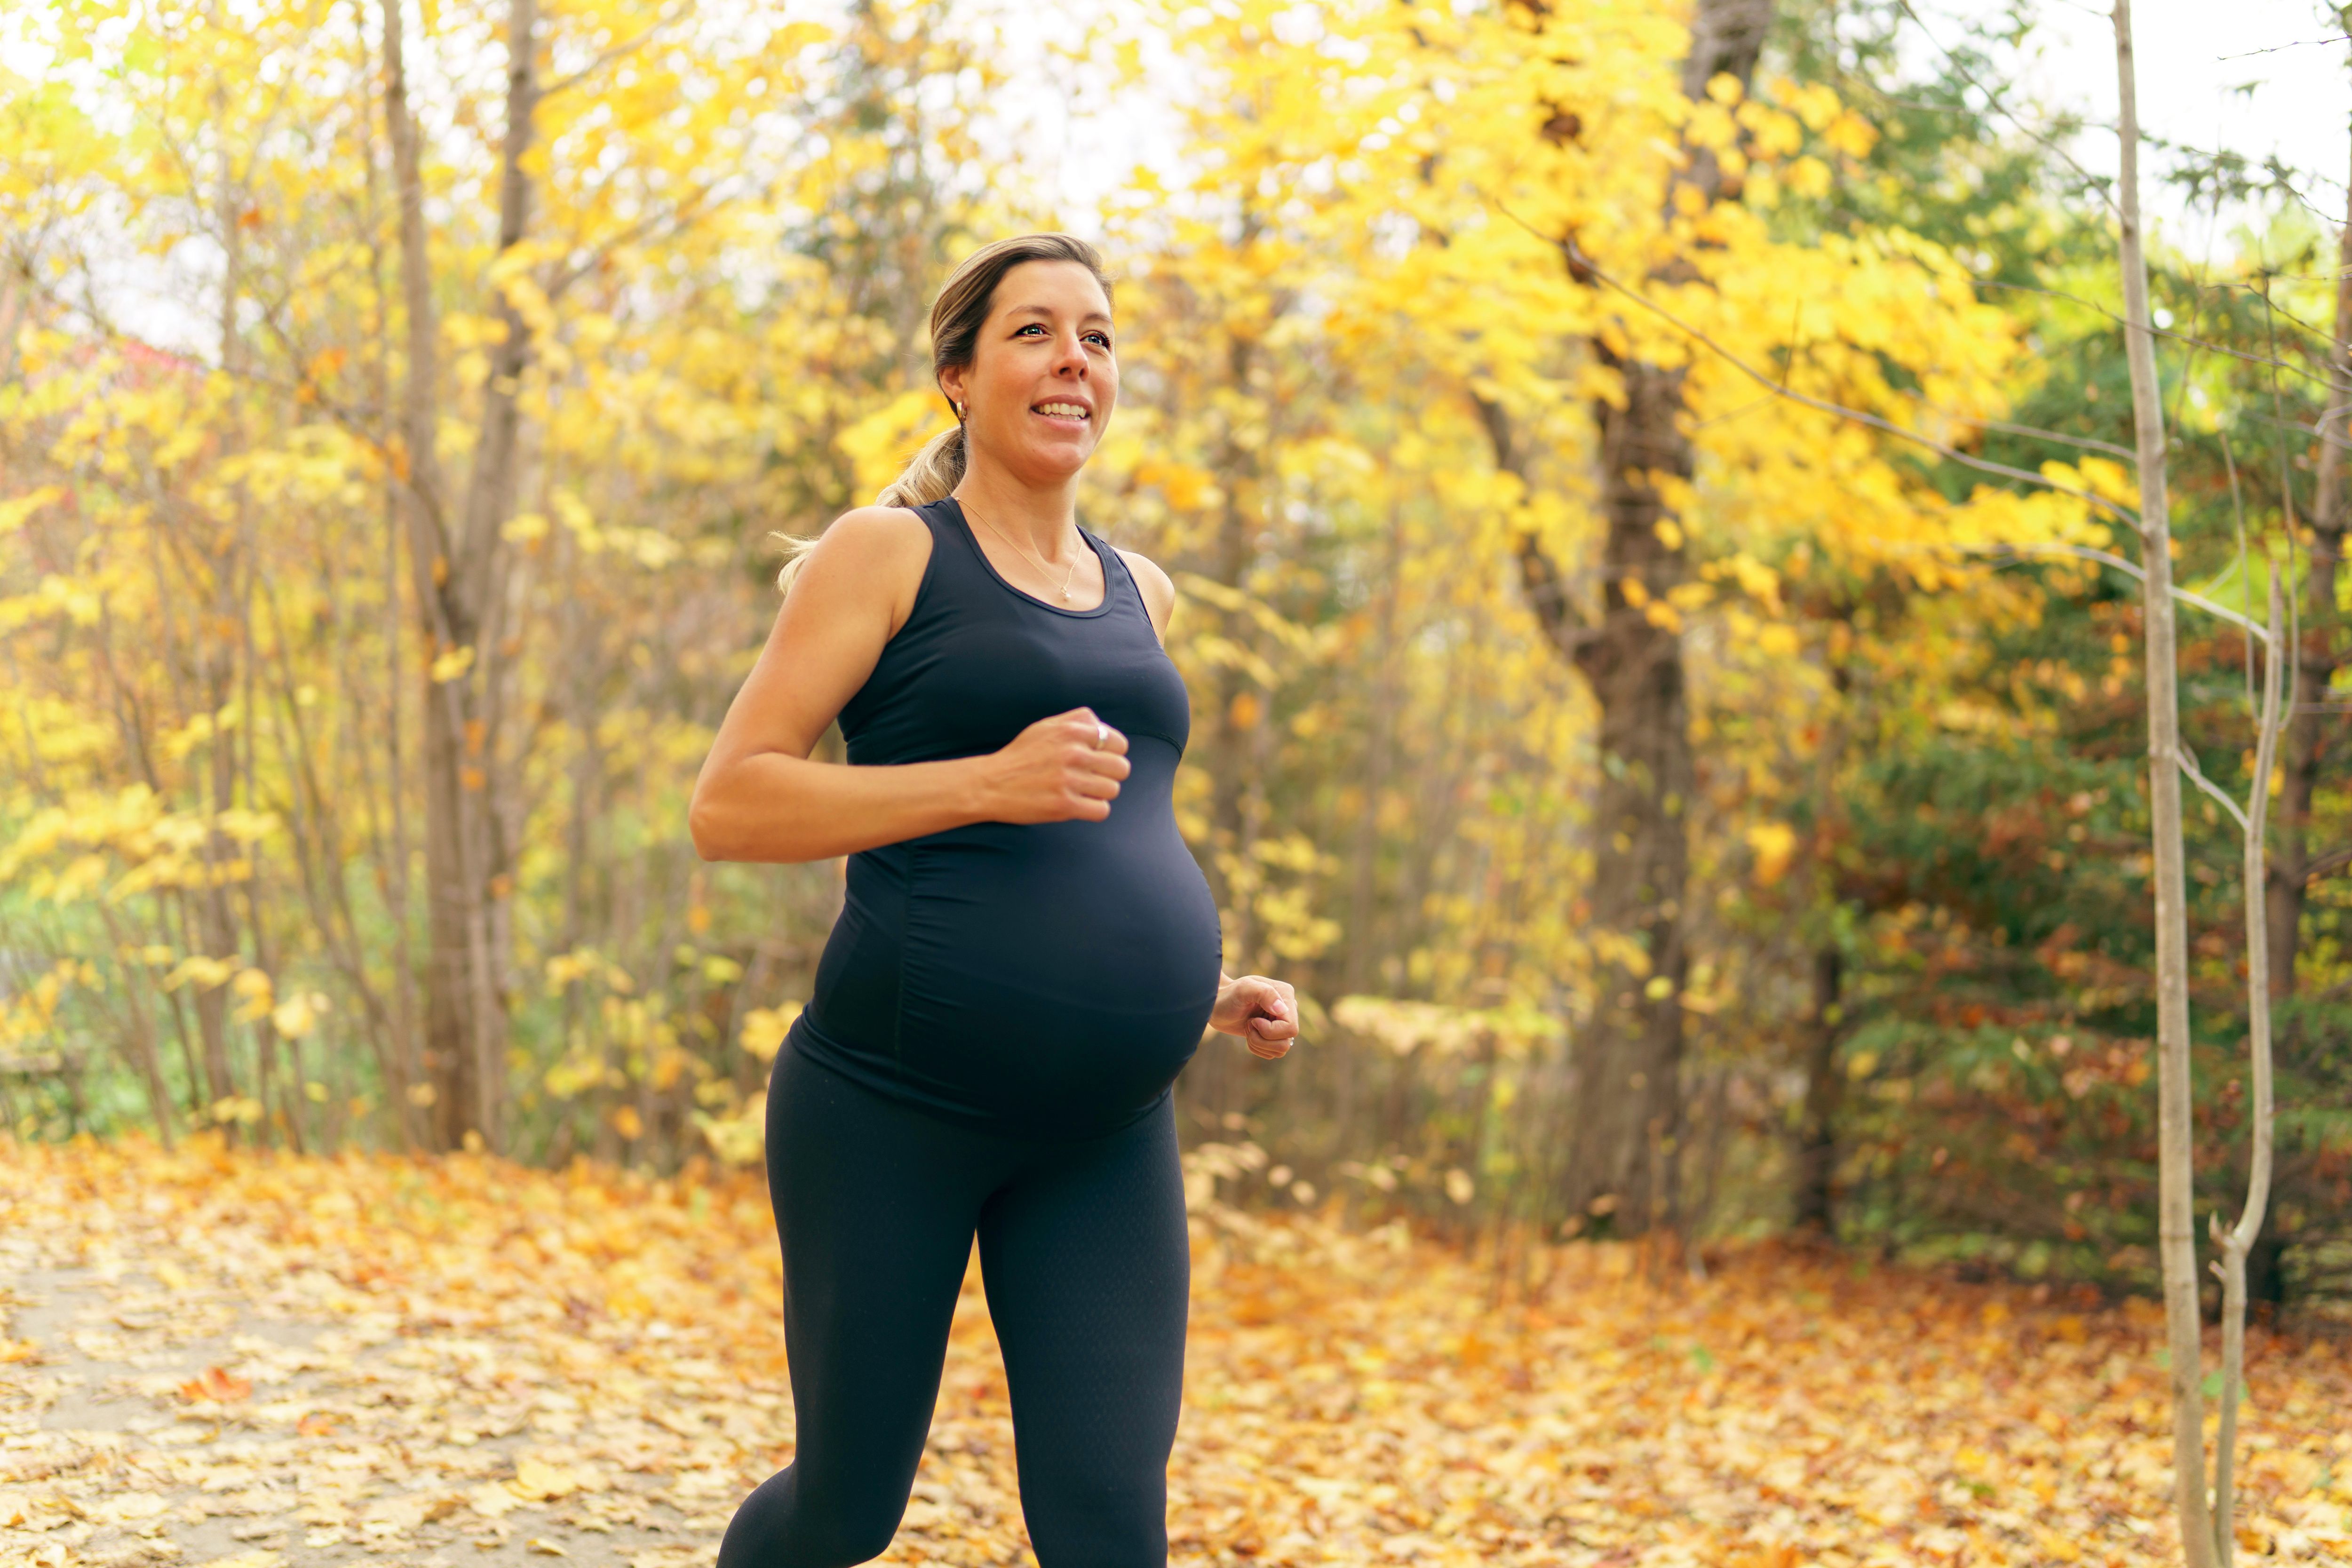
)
(1626, 1115)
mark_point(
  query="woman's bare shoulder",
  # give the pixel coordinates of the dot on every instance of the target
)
(886, 529)
(871, 552)
(1159, 590)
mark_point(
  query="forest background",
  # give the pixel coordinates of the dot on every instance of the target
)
(1681, 803)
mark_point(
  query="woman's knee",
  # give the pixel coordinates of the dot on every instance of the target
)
(844, 1539)
(785, 1524)
(1124, 1527)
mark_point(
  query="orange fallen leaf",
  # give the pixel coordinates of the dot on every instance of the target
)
(318, 1423)
(212, 1384)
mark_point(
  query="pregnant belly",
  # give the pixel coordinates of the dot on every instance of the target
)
(1056, 975)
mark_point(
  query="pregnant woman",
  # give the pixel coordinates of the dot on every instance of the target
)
(1027, 958)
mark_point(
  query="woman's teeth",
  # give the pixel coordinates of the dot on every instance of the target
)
(1061, 411)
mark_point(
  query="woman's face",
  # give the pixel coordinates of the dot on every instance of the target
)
(1043, 379)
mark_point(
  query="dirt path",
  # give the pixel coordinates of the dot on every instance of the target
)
(218, 1360)
(248, 1379)
(149, 1449)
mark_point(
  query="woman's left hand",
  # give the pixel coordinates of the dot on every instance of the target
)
(1263, 1012)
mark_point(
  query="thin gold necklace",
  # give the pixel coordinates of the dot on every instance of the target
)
(1068, 579)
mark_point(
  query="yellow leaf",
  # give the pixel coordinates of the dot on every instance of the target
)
(1775, 844)
(879, 443)
(763, 1030)
(204, 973)
(491, 1500)
(541, 1482)
(15, 510)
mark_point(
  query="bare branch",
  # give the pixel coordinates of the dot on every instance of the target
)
(617, 52)
(2196, 776)
(2298, 44)
(2210, 347)
(1539, 577)
(1992, 99)
(2328, 864)
(2087, 443)
(2139, 573)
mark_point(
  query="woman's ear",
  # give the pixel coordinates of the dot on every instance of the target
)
(951, 383)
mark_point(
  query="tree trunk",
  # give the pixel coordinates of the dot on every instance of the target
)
(141, 1049)
(459, 572)
(2176, 1228)
(214, 671)
(2237, 1243)
(1625, 1114)
(1824, 1089)
(401, 1062)
(1237, 710)
(2310, 728)
(1240, 706)
(1628, 1099)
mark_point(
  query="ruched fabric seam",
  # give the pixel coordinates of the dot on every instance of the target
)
(899, 991)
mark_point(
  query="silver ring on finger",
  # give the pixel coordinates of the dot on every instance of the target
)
(1102, 733)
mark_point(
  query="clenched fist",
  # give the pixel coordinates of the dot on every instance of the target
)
(1063, 768)
(1263, 1012)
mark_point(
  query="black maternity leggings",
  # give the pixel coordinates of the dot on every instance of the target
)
(1082, 1246)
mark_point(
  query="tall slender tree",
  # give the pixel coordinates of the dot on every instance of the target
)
(2175, 1227)
(459, 562)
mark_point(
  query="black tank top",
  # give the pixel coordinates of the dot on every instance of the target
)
(1046, 977)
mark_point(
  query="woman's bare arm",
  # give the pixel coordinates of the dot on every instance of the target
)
(759, 797)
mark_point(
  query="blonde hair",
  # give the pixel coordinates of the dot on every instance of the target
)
(957, 316)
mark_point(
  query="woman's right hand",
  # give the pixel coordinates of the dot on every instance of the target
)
(1053, 772)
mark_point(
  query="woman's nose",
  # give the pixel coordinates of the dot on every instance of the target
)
(1072, 357)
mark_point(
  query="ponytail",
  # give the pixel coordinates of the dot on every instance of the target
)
(956, 317)
(932, 475)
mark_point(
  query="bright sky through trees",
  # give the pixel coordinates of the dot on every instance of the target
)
(2191, 78)
(2192, 74)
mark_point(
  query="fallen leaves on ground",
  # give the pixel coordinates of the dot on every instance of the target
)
(590, 1364)
(215, 1385)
